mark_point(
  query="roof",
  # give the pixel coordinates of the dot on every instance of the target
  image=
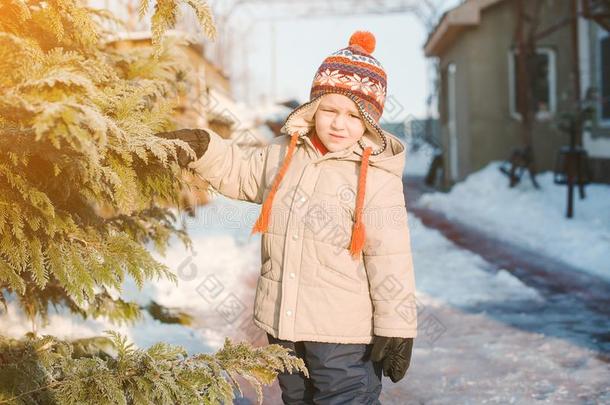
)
(146, 35)
(453, 22)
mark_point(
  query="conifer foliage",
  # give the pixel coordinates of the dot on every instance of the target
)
(85, 186)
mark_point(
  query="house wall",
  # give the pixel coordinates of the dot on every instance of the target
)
(194, 101)
(596, 139)
(492, 132)
(486, 129)
(216, 78)
(458, 55)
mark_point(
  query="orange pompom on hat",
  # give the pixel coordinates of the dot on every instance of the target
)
(353, 72)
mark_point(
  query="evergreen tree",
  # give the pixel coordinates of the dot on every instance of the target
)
(84, 187)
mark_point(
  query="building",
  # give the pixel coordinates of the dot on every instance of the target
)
(479, 121)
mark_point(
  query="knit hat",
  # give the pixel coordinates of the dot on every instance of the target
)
(354, 73)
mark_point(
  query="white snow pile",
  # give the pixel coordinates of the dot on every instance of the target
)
(417, 162)
(533, 218)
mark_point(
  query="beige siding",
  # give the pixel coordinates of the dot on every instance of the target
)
(486, 130)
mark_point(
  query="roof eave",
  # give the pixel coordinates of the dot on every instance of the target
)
(452, 23)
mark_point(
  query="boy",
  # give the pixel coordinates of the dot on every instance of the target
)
(337, 283)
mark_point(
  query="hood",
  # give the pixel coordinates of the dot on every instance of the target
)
(391, 159)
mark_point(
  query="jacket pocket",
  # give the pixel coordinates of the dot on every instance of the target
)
(266, 268)
(338, 269)
(266, 302)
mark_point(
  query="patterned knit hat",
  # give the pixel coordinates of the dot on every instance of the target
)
(354, 73)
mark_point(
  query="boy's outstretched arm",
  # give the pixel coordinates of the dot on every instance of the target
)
(389, 263)
(235, 172)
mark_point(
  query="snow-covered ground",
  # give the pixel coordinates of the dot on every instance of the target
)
(459, 356)
(223, 257)
(533, 218)
(466, 351)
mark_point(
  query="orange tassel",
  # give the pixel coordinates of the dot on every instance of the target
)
(358, 231)
(263, 220)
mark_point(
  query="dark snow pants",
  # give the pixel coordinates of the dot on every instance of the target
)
(339, 373)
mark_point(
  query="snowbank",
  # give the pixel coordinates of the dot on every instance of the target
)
(533, 218)
(418, 162)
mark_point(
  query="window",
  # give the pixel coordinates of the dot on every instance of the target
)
(604, 79)
(545, 91)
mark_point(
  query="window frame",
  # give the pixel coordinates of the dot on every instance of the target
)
(601, 121)
(552, 84)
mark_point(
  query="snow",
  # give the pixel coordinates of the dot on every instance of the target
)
(271, 111)
(223, 255)
(596, 147)
(479, 360)
(532, 218)
(458, 277)
(418, 161)
(467, 349)
(468, 352)
(144, 333)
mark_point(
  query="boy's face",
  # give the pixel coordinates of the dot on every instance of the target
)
(338, 122)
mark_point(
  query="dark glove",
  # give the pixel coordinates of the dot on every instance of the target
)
(197, 139)
(394, 353)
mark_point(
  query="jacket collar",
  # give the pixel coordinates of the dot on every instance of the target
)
(392, 159)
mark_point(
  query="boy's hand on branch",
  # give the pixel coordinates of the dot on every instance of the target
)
(395, 355)
(197, 139)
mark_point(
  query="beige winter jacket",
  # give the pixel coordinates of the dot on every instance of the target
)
(310, 288)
